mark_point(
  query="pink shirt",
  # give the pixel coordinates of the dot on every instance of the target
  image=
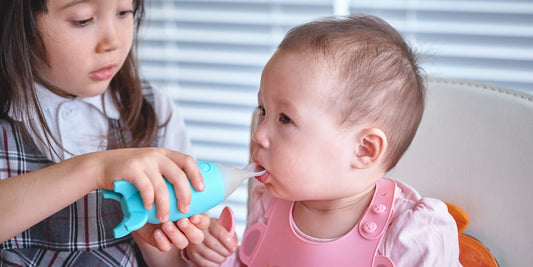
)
(422, 232)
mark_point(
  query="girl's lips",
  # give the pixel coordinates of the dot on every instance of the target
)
(104, 73)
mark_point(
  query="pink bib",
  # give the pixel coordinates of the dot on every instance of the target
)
(278, 244)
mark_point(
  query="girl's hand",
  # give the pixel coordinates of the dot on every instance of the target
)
(218, 244)
(145, 168)
(180, 233)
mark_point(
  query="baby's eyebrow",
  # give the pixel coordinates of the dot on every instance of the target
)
(286, 103)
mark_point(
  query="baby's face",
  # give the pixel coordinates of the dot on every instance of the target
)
(299, 140)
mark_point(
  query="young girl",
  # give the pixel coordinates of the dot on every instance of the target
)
(71, 91)
(339, 103)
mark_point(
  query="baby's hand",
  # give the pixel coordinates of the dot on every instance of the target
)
(218, 244)
(145, 168)
(180, 234)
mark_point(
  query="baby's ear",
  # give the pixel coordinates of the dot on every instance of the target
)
(370, 147)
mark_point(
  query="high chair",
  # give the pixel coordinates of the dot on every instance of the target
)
(474, 149)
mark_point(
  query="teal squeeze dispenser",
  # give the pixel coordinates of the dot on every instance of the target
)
(220, 181)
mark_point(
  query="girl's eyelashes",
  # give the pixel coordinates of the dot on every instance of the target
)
(125, 13)
(82, 23)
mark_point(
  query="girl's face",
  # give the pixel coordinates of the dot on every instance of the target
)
(298, 139)
(86, 42)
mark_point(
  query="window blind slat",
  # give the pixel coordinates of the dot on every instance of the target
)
(511, 7)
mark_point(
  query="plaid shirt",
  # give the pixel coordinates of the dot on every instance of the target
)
(80, 234)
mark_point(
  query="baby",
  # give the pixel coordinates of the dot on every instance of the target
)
(339, 103)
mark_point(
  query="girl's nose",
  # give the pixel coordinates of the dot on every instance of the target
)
(109, 38)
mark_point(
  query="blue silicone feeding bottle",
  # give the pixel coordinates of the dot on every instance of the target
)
(220, 181)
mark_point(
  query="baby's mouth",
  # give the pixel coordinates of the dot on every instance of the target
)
(259, 168)
(260, 173)
(263, 177)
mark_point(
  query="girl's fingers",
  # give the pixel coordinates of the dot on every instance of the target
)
(201, 221)
(193, 234)
(194, 175)
(182, 188)
(145, 168)
(175, 235)
(163, 244)
(189, 166)
(146, 189)
(177, 173)
(161, 196)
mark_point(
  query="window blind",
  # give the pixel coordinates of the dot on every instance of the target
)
(208, 55)
(489, 41)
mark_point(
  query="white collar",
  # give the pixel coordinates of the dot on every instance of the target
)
(50, 105)
(53, 101)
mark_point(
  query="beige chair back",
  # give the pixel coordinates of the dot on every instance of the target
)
(474, 149)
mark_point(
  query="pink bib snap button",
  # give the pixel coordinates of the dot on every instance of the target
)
(379, 208)
(370, 227)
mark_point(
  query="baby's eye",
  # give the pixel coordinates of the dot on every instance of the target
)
(125, 13)
(284, 119)
(82, 23)
(262, 111)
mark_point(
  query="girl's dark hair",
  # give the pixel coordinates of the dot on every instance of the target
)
(22, 51)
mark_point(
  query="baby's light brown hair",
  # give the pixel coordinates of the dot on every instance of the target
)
(381, 83)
